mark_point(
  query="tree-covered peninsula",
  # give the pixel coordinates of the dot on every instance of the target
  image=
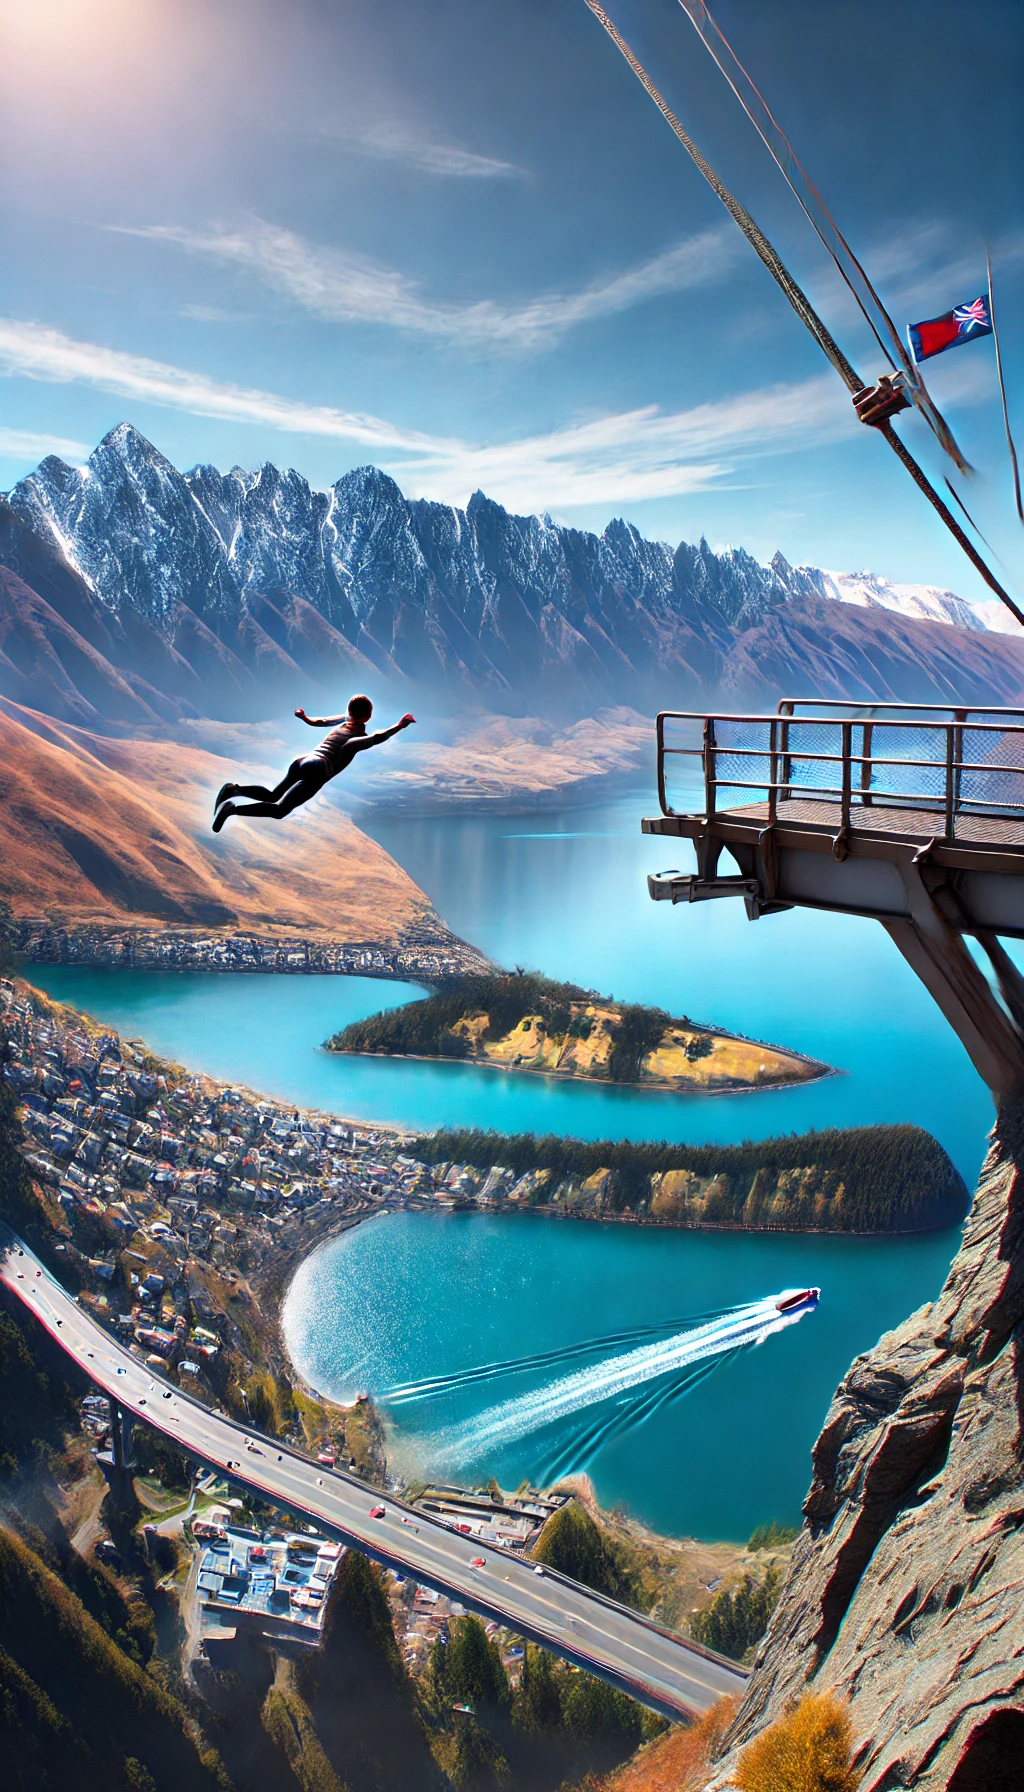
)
(519, 1020)
(858, 1179)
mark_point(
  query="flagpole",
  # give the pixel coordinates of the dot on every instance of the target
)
(1002, 388)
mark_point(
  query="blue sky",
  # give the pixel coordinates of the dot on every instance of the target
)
(458, 241)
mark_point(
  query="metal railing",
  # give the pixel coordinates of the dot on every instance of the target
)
(950, 763)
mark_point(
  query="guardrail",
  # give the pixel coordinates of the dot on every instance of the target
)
(951, 763)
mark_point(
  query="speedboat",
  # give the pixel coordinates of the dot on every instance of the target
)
(799, 1298)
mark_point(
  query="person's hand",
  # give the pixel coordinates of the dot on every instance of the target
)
(406, 720)
(302, 715)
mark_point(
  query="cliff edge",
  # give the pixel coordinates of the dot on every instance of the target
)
(906, 1588)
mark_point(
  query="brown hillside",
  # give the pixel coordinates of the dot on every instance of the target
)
(678, 1761)
(97, 830)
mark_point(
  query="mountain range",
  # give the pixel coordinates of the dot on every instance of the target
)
(135, 595)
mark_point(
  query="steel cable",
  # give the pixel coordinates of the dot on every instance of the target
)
(802, 306)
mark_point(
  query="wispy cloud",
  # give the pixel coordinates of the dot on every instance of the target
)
(618, 458)
(346, 288)
(920, 267)
(632, 455)
(927, 263)
(30, 444)
(394, 140)
(212, 314)
(35, 352)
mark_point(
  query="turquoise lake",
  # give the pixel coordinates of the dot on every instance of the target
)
(566, 893)
(412, 1295)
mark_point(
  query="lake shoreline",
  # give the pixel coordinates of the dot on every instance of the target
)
(363, 1315)
(266, 1237)
(428, 960)
(822, 1074)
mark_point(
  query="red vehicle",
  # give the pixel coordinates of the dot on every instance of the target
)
(378, 1512)
(477, 1562)
(797, 1299)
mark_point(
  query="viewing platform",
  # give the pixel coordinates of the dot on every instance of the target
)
(910, 815)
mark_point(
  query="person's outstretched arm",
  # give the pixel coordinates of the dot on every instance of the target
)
(320, 721)
(360, 744)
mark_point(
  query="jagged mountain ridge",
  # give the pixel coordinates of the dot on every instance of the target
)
(224, 593)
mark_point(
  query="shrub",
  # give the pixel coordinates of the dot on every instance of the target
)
(473, 1760)
(772, 1536)
(288, 1722)
(538, 1702)
(469, 1669)
(637, 1032)
(575, 1545)
(594, 1713)
(736, 1620)
(806, 1750)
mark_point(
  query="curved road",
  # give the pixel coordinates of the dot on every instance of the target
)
(662, 1670)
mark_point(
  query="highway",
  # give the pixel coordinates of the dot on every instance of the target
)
(663, 1671)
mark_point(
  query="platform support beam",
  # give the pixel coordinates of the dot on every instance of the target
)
(935, 950)
(1008, 977)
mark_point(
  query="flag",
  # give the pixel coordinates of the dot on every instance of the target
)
(935, 334)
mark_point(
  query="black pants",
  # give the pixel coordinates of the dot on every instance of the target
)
(301, 781)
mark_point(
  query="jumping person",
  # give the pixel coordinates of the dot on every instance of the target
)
(309, 774)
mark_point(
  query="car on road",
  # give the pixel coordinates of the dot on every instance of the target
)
(378, 1512)
(537, 1569)
(477, 1562)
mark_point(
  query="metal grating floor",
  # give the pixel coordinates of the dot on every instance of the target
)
(892, 820)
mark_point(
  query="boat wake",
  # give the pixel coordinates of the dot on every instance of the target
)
(629, 1386)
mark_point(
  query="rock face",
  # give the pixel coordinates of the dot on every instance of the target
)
(225, 592)
(906, 1590)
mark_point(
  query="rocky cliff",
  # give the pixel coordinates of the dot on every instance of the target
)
(906, 1590)
(142, 591)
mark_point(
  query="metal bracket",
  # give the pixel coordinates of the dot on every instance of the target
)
(841, 844)
(679, 886)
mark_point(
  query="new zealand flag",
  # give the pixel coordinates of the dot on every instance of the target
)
(962, 324)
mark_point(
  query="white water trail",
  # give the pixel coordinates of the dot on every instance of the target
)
(513, 1419)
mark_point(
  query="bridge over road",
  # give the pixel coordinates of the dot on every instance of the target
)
(663, 1671)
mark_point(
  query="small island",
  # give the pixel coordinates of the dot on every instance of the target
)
(520, 1020)
(861, 1179)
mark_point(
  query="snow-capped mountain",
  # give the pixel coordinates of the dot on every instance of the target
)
(929, 603)
(230, 592)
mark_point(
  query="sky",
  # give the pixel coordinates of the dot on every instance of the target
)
(459, 242)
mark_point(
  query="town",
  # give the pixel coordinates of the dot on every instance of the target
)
(427, 953)
(179, 1199)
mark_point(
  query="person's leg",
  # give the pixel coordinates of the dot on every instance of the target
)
(259, 792)
(274, 807)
